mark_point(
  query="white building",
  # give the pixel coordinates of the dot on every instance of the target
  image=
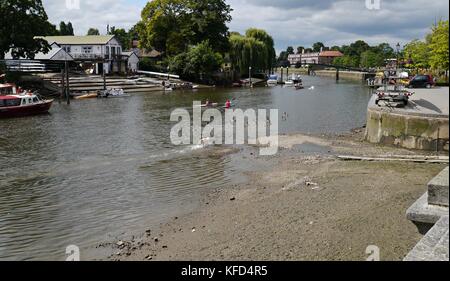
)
(132, 61)
(105, 51)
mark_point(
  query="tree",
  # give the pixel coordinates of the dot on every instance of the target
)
(269, 45)
(123, 36)
(300, 49)
(171, 26)
(318, 46)
(20, 22)
(371, 59)
(248, 52)
(439, 46)
(290, 50)
(417, 53)
(65, 29)
(335, 48)
(93, 31)
(198, 63)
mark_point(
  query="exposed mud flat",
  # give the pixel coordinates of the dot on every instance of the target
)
(309, 206)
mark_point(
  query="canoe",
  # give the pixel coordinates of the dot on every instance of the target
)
(87, 96)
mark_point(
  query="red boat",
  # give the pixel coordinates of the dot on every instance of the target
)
(21, 104)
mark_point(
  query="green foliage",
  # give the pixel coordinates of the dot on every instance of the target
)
(66, 29)
(318, 46)
(123, 36)
(93, 31)
(371, 59)
(171, 26)
(300, 49)
(417, 53)
(255, 50)
(198, 64)
(439, 46)
(290, 50)
(346, 60)
(20, 22)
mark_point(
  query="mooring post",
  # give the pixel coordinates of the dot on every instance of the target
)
(337, 74)
(67, 82)
(63, 85)
(287, 73)
(282, 72)
(104, 80)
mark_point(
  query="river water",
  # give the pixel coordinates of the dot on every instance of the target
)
(100, 169)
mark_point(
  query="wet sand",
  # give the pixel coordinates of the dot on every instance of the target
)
(308, 207)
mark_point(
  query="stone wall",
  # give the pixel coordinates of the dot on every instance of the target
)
(408, 131)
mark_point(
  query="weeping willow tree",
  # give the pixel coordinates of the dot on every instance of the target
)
(255, 50)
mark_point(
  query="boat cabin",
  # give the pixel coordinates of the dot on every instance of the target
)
(19, 100)
(8, 89)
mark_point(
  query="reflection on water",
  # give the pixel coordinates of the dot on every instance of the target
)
(101, 168)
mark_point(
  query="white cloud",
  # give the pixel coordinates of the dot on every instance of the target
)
(291, 22)
(94, 13)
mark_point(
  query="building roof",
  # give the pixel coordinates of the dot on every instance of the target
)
(79, 40)
(55, 54)
(128, 54)
(331, 54)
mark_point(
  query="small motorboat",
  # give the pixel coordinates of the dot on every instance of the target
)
(272, 81)
(25, 104)
(112, 93)
(289, 83)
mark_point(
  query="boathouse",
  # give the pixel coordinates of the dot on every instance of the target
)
(102, 52)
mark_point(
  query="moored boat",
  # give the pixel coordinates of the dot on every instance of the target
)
(23, 105)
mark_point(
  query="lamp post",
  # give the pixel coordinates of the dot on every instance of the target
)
(398, 55)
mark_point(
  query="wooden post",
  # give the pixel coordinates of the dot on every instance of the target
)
(337, 74)
(67, 82)
(282, 70)
(104, 80)
(63, 85)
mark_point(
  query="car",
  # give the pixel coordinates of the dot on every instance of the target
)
(422, 81)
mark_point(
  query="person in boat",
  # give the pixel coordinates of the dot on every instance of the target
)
(228, 104)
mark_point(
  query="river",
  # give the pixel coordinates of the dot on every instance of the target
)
(101, 169)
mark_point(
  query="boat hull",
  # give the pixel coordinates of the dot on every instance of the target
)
(21, 111)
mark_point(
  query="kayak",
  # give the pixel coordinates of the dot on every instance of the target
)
(86, 96)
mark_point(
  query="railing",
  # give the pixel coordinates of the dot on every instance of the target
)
(84, 56)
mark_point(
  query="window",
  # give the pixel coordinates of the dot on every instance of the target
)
(24, 101)
(13, 102)
(35, 100)
(87, 49)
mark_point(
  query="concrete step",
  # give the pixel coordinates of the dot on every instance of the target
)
(425, 215)
(438, 189)
(434, 245)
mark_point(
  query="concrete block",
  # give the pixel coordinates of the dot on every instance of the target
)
(438, 189)
(434, 245)
(425, 215)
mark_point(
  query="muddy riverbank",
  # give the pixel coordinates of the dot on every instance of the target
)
(308, 206)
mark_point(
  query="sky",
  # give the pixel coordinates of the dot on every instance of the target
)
(290, 22)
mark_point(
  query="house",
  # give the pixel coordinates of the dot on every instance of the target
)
(327, 57)
(132, 61)
(323, 57)
(103, 51)
(51, 61)
(294, 58)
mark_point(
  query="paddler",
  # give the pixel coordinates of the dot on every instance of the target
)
(228, 104)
